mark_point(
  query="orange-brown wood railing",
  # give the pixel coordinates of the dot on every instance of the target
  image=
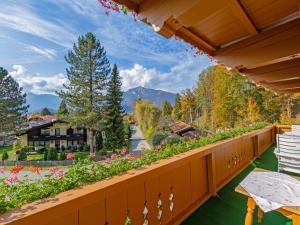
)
(191, 178)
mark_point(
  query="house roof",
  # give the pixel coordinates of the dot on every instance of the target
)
(42, 125)
(179, 127)
(259, 38)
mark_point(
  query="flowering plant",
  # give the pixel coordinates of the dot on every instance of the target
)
(15, 192)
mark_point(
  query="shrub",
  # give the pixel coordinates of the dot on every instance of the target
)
(173, 140)
(52, 154)
(157, 138)
(4, 155)
(86, 148)
(80, 147)
(22, 156)
(41, 150)
(62, 156)
(63, 148)
(46, 154)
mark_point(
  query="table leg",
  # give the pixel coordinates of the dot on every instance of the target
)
(260, 215)
(296, 219)
(250, 209)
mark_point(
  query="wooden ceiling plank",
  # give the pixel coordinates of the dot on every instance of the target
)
(242, 15)
(281, 42)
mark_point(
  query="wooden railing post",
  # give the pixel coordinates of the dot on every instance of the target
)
(211, 173)
(255, 145)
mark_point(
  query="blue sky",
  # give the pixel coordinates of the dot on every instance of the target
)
(36, 34)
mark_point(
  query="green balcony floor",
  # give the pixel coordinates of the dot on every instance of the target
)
(229, 208)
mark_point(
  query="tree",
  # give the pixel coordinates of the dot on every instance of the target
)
(166, 108)
(113, 119)
(45, 111)
(62, 110)
(176, 109)
(12, 103)
(88, 74)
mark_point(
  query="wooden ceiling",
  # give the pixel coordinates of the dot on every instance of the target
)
(260, 38)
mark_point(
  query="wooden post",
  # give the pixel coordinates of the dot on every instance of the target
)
(296, 219)
(211, 167)
(250, 210)
(260, 215)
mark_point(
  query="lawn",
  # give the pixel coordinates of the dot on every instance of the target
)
(36, 157)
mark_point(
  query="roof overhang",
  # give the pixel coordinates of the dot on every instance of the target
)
(259, 38)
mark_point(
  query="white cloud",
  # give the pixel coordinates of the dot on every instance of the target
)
(183, 75)
(21, 18)
(45, 52)
(38, 84)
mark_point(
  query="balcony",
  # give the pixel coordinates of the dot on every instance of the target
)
(186, 182)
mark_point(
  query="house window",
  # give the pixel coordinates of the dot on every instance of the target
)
(30, 143)
(42, 143)
(45, 132)
(47, 144)
(57, 131)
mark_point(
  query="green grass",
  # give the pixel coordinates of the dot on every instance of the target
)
(9, 151)
(229, 208)
(36, 157)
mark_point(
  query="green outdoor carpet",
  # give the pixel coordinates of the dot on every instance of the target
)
(229, 208)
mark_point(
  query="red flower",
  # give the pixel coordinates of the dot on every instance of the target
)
(138, 155)
(53, 170)
(17, 169)
(70, 156)
(36, 169)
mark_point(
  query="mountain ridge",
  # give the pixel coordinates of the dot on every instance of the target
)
(37, 102)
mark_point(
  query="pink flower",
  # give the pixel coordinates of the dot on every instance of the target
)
(60, 173)
(11, 180)
(70, 156)
(92, 154)
(129, 155)
(53, 170)
(123, 151)
(113, 156)
(138, 155)
(2, 169)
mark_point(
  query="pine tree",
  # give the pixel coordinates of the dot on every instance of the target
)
(166, 108)
(176, 109)
(12, 103)
(84, 94)
(62, 110)
(113, 120)
(45, 111)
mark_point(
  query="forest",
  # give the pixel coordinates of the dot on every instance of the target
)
(220, 100)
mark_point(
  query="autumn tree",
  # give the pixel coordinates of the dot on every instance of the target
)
(166, 108)
(176, 113)
(88, 74)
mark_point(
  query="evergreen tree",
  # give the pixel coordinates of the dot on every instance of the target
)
(176, 110)
(45, 111)
(12, 103)
(84, 94)
(62, 110)
(166, 108)
(113, 120)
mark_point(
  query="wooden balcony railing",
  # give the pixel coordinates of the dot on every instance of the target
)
(166, 192)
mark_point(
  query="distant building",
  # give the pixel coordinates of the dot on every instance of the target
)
(185, 130)
(55, 133)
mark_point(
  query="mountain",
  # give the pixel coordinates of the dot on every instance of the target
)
(38, 102)
(152, 95)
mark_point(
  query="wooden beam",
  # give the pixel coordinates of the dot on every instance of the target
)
(274, 45)
(195, 40)
(289, 91)
(242, 15)
(275, 72)
(283, 84)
